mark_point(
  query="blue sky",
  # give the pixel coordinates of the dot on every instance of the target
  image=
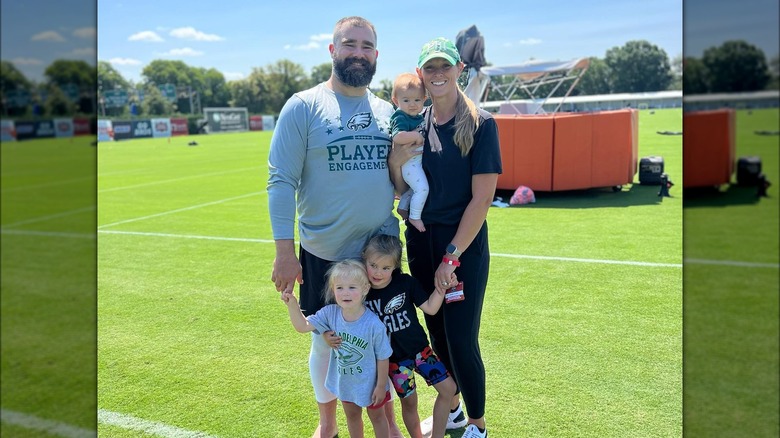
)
(235, 36)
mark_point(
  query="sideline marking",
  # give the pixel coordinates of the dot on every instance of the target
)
(180, 209)
(516, 256)
(49, 426)
(732, 263)
(151, 427)
(165, 181)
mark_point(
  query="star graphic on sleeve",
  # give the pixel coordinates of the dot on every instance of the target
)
(329, 131)
(327, 121)
(341, 128)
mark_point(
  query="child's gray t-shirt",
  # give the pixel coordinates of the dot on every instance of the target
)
(352, 368)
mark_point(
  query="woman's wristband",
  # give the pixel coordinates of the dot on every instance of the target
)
(450, 261)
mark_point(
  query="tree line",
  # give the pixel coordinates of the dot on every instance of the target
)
(75, 87)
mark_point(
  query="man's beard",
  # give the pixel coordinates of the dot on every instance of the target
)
(354, 72)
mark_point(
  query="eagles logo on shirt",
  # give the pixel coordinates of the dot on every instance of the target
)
(359, 121)
(396, 303)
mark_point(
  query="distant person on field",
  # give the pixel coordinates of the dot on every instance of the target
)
(357, 370)
(405, 128)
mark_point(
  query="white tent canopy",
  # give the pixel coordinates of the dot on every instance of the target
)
(528, 76)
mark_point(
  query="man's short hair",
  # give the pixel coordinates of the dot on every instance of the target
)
(351, 22)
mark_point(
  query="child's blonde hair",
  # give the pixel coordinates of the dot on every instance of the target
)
(407, 81)
(349, 270)
(384, 245)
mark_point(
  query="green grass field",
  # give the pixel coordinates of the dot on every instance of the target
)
(731, 324)
(48, 283)
(581, 332)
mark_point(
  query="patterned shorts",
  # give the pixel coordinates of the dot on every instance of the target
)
(425, 363)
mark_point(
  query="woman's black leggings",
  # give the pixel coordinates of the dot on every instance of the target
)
(454, 330)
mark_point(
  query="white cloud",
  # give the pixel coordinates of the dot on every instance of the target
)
(189, 33)
(85, 32)
(26, 61)
(311, 45)
(232, 76)
(182, 52)
(314, 42)
(84, 51)
(322, 37)
(49, 35)
(146, 35)
(124, 61)
(529, 42)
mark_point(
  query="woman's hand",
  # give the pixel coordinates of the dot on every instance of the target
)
(445, 278)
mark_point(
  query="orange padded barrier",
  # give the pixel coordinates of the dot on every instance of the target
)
(572, 151)
(615, 149)
(526, 151)
(568, 151)
(708, 148)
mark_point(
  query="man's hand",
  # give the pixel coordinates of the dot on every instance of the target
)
(287, 269)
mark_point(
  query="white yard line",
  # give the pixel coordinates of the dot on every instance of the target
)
(55, 428)
(187, 236)
(731, 263)
(151, 427)
(183, 178)
(50, 216)
(573, 259)
(193, 207)
(517, 256)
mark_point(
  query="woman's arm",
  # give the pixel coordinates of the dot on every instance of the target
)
(400, 154)
(483, 187)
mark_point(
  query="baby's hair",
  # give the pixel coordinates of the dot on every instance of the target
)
(349, 270)
(384, 245)
(407, 81)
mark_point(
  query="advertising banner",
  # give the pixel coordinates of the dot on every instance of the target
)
(115, 98)
(25, 130)
(179, 127)
(44, 129)
(81, 126)
(255, 123)
(268, 123)
(7, 130)
(123, 129)
(161, 127)
(142, 128)
(105, 130)
(227, 119)
(63, 127)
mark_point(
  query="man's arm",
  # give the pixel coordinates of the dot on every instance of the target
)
(285, 166)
